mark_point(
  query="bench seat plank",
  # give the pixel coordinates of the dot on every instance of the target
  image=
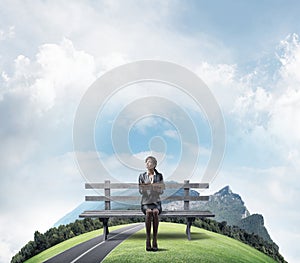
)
(138, 213)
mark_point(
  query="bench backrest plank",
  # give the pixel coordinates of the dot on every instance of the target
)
(108, 197)
(136, 186)
(138, 198)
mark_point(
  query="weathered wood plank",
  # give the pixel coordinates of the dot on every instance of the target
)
(138, 198)
(186, 198)
(138, 213)
(136, 186)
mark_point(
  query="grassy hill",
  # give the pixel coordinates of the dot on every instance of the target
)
(205, 246)
(60, 247)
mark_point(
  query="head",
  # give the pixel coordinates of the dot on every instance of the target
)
(151, 162)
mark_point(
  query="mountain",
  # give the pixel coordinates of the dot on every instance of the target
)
(255, 224)
(226, 205)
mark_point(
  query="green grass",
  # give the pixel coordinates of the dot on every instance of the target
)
(52, 251)
(204, 247)
(173, 245)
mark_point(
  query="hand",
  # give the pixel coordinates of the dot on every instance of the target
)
(157, 187)
(145, 187)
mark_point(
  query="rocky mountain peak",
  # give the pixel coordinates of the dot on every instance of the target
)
(224, 191)
(227, 194)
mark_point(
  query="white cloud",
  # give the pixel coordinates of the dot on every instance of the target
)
(4, 76)
(36, 110)
(41, 91)
(39, 100)
(223, 80)
(289, 56)
(172, 134)
(253, 108)
(147, 123)
(7, 34)
(59, 73)
(277, 111)
(285, 119)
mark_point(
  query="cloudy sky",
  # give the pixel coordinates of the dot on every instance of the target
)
(247, 52)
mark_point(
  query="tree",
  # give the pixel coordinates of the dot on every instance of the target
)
(77, 227)
(40, 242)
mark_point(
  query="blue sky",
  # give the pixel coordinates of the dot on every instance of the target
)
(247, 52)
(249, 28)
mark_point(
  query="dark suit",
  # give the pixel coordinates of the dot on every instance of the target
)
(151, 191)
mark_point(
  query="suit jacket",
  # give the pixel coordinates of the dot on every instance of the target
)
(151, 191)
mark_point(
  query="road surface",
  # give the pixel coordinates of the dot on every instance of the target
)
(95, 250)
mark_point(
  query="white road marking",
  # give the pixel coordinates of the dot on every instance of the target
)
(92, 248)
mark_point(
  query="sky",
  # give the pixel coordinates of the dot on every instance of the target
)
(51, 52)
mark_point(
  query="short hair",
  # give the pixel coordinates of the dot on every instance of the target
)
(153, 160)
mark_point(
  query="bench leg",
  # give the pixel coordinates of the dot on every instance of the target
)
(189, 222)
(105, 227)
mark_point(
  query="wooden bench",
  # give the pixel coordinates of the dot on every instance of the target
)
(104, 215)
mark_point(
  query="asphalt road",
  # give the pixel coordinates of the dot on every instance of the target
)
(95, 250)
